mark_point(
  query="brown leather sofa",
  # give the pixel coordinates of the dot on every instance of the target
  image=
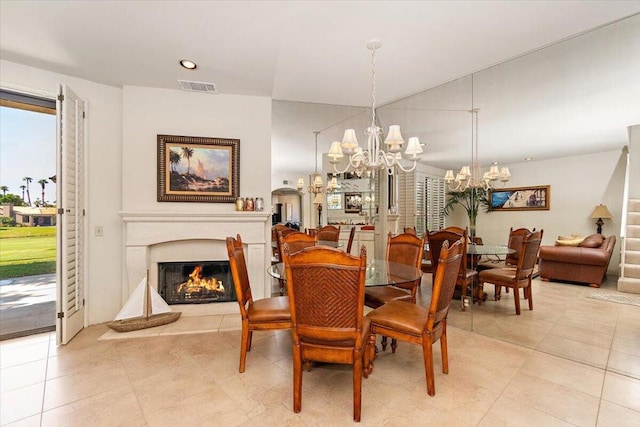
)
(583, 264)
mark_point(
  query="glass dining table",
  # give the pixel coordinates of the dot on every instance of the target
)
(496, 250)
(379, 272)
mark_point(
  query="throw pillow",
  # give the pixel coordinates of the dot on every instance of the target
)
(569, 242)
(593, 241)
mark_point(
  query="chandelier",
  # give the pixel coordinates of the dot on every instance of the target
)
(316, 186)
(472, 177)
(373, 157)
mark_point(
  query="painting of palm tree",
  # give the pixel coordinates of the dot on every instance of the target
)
(215, 171)
(187, 153)
(174, 159)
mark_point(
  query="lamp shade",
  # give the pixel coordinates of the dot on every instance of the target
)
(394, 139)
(335, 152)
(413, 147)
(349, 141)
(600, 211)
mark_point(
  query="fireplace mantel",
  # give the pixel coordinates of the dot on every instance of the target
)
(152, 236)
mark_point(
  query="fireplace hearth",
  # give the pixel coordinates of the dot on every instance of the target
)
(199, 282)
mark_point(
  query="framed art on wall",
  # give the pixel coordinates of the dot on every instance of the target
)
(352, 202)
(520, 199)
(198, 169)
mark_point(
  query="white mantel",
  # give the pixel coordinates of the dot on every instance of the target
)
(151, 237)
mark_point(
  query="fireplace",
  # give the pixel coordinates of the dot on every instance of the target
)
(152, 238)
(200, 282)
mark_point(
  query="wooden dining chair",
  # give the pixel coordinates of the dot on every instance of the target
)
(411, 230)
(259, 315)
(282, 231)
(514, 242)
(274, 239)
(352, 234)
(436, 239)
(406, 248)
(298, 241)
(511, 260)
(414, 324)
(311, 231)
(326, 293)
(517, 278)
(330, 233)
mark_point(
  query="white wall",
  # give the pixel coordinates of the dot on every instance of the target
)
(104, 178)
(577, 183)
(122, 126)
(148, 112)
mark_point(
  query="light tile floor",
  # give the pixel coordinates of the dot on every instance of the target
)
(570, 361)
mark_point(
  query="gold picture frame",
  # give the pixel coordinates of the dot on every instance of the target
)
(198, 169)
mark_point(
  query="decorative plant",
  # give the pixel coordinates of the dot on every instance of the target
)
(471, 199)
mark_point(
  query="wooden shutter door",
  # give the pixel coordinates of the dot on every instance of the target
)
(71, 230)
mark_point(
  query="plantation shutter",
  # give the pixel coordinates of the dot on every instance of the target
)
(435, 198)
(406, 200)
(421, 205)
(70, 198)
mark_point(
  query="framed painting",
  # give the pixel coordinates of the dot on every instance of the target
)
(521, 198)
(352, 202)
(198, 169)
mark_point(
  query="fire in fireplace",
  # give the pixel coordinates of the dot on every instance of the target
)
(195, 282)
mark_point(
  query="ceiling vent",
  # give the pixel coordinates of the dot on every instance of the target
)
(197, 86)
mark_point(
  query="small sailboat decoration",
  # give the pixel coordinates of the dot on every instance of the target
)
(144, 309)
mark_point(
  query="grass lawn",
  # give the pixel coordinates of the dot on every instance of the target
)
(26, 251)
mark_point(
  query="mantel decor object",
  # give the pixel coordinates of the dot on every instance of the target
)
(198, 169)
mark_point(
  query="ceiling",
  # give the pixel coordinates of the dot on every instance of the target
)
(308, 51)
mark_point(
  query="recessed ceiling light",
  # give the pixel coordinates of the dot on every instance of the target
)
(189, 65)
(528, 159)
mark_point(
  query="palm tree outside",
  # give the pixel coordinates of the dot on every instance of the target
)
(42, 183)
(22, 187)
(187, 152)
(28, 180)
(4, 189)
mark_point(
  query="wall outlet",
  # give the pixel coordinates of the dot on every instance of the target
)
(99, 231)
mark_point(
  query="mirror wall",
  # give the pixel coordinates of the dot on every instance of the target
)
(568, 107)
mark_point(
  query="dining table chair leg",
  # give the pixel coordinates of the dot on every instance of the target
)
(427, 351)
(443, 350)
(516, 298)
(357, 385)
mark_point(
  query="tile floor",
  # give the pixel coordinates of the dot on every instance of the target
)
(570, 361)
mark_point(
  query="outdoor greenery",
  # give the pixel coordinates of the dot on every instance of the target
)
(27, 251)
(11, 198)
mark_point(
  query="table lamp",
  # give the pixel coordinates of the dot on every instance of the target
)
(600, 212)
